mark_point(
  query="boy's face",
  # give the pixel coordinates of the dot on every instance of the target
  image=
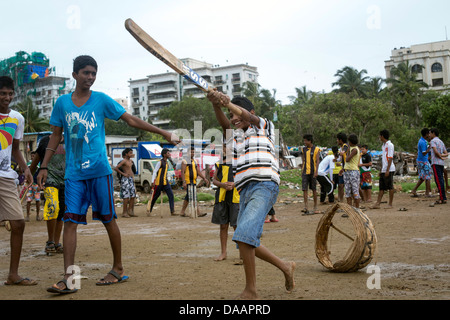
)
(6, 96)
(363, 150)
(237, 122)
(307, 143)
(85, 77)
(130, 154)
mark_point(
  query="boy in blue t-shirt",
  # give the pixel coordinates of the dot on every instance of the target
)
(88, 179)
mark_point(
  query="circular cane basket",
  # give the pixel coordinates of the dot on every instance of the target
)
(363, 246)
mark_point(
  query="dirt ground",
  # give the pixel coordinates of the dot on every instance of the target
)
(172, 258)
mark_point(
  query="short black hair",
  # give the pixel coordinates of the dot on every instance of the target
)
(435, 131)
(243, 102)
(164, 151)
(353, 138)
(342, 136)
(424, 132)
(6, 82)
(83, 61)
(308, 137)
(385, 134)
(125, 151)
(334, 149)
(365, 146)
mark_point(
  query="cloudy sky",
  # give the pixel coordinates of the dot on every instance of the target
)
(292, 42)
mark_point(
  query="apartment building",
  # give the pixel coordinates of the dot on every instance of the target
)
(157, 91)
(431, 62)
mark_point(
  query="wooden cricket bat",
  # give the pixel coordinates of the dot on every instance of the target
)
(169, 59)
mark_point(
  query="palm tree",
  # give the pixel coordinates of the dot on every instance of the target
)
(406, 90)
(264, 100)
(374, 86)
(350, 80)
(302, 97)
(33, 121)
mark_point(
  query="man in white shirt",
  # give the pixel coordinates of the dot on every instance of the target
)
(325, 176)
(387, 170)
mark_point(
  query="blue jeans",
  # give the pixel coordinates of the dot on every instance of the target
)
(256, 200)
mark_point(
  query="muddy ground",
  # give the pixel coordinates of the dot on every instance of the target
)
(172, 258)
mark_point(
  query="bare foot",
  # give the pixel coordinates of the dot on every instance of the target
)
(222, 257)
(375, 206)
(289, 276)
(246, 295)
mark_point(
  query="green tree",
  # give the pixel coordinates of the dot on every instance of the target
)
(33, 121)
(182, 114)
(437, 114)
(405, 92)
(351, 81)
(302, 96)
(264, 100)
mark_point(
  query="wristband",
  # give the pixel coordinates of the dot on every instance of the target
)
(43, 168)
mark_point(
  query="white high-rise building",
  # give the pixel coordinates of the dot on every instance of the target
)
(157, 91)
(431, 62)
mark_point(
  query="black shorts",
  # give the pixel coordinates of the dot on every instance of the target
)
(308, 180)
(386, 183)
(225, 213)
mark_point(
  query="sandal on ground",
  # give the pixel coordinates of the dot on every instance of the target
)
(120, 279)
(440, 202)
(22, 282)
(308, 213)
(50, 246)
(59, 248)
(55, 289)
(274, 220)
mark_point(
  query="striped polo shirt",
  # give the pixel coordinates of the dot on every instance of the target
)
(254, 156)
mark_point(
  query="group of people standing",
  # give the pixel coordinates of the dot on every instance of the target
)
(347, 168)
(432, 160)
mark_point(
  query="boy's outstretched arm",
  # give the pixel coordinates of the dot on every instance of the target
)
(137, 123)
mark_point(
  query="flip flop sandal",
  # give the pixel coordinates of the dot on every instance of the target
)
(115, 275)
(20, 282)
(50, 247)
(55, 289)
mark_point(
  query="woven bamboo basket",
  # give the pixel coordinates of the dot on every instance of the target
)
(363, 247)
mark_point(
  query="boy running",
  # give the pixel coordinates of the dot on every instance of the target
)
(256, 176)
(81, 116)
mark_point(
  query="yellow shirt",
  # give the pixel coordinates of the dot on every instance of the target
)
(354, 161)
(190, 175)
